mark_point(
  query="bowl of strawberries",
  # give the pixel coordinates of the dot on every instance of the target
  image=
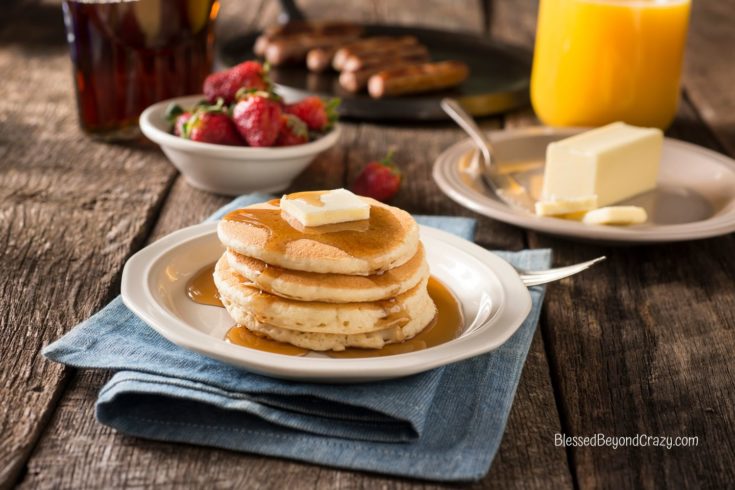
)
(240, 136)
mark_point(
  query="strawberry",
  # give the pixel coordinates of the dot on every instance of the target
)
(379, 180)
(293, 131)
(225, 84)
(177, 117)
(318, 115)
(212, 126)
(258, 118)
(180, 123)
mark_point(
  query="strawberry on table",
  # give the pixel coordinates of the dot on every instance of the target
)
(225, 84)
(258, 118)
(293, 131)
(379, 180)
(317, 114)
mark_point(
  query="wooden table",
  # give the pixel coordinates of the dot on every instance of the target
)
(644, 344)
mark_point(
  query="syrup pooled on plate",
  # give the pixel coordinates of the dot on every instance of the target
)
(447, 324)
(242, 336)
(201, 289)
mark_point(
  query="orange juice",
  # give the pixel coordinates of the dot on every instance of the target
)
(600, 61)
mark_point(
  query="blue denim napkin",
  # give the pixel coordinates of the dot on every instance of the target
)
(445, 424)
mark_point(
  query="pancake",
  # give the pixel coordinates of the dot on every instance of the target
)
(388, 239)
(338, 342)
(330, 288)
(249, 305)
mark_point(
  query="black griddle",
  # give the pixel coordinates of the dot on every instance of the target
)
(498, 81)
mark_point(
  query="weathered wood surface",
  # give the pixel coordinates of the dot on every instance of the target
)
(640, 345)
(71, 212)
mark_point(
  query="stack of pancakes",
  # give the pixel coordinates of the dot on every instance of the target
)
(356, 284)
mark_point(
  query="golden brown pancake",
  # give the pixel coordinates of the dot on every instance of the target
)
(338, 342)
(330, 288)
(385, 241)
(249, 305)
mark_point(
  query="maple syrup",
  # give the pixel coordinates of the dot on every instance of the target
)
(128, 55)
(447, 325)
(201, 289)
(239, 335)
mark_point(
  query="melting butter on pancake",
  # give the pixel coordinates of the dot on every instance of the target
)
(387, 240)
(249, 305)
(330, 288)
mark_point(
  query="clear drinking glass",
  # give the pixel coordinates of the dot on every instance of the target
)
(128, 54)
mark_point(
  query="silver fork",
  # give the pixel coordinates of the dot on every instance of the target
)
(534, 278)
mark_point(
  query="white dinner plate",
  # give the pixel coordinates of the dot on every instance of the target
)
(494, 304)
(694, 197)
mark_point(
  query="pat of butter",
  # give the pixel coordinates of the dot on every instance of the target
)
(318, 208)
(614, 162)
(616, 215)
(556, 207)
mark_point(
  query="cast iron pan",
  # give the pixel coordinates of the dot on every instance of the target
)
(498, 82)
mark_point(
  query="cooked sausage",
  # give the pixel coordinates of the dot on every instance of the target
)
(355, 81)
(294, 48)
(297, 28)
(319, 59)
(424, 77)
(416, 52)
(367, 45)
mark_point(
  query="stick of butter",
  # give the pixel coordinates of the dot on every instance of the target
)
(616, 215)
(566, 206)
(318, 208)
(614, 162)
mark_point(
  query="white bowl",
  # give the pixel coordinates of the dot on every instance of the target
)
(230, 170)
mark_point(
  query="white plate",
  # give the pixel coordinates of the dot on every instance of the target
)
(494, 303)
(694, 198)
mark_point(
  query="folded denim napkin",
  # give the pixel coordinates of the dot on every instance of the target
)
(445, 424)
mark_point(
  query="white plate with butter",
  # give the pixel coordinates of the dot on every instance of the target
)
(694, 196)
(493, 300)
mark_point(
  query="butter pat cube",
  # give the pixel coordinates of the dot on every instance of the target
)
(318, 208)
(566, 206)
(614, 162)
(616, 215)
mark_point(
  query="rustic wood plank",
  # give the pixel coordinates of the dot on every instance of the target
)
(709, 73)
(72, 211)
(78, 451)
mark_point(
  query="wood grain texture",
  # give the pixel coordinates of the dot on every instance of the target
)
(709, 73)
(98, 457)
(72, 211)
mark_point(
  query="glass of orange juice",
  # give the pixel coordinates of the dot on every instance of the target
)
(600, 61)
